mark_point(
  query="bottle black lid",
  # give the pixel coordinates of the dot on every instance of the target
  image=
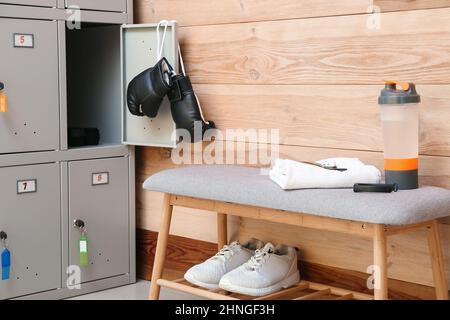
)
(391, 95)
(2, 86)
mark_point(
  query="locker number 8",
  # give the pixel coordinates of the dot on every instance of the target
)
(100, 178)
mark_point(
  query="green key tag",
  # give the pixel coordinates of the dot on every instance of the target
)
(83, 248)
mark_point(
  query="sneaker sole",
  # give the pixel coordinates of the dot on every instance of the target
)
(191, 279)
(258, 292)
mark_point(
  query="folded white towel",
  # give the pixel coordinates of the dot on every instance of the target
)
(289, 174)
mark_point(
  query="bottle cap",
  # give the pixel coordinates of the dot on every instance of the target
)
(392, 95)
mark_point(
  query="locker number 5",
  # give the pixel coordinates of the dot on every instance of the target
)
(26, 186)
(23, 40)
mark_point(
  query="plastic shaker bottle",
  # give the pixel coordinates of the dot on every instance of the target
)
(399, 104)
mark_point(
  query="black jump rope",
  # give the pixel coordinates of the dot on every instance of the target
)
(375, 187)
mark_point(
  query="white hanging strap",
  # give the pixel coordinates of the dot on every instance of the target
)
(200, 109)
(183, 70)
(160, 43)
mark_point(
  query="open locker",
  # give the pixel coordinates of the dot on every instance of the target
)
(101, 61)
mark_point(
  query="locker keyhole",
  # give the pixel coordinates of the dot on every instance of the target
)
(79, 224)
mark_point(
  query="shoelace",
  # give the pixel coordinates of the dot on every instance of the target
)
(258, 259)
(226, 251)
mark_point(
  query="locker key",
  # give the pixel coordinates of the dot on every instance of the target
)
(3, 107)
(5, 257)
(83, 249)
(82, 243)
(6, 263)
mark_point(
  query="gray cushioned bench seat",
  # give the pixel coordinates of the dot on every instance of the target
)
(248, 186)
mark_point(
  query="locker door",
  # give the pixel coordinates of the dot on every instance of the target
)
(30, 216)
(101, 5)
(139, 48)
(29, 71)
(38, 3)
(98, 196)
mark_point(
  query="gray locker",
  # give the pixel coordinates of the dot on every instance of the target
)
(101, 5)
(29, 70)
(102, 206)
(31, 219)
(39, 3)
(58, 78)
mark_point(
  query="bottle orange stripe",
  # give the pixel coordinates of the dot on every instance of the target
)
(401, 164)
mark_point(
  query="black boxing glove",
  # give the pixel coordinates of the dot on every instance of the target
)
(185, 107)
(147, 90)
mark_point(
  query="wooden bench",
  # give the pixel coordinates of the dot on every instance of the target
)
(200, 187)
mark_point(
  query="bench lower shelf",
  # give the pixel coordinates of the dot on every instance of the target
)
(304, 290)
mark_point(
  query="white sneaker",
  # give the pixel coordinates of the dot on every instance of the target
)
(268, 271)
(208, 274)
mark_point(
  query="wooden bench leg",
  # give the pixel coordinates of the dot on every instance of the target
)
(380, 263)
(222, 233)
(161, 248)
(437, 262)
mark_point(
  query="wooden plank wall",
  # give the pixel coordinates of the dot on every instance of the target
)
(312, 69)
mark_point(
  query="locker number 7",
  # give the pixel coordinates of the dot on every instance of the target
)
(26, 186)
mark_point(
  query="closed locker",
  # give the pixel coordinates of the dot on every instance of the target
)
(29, 72)
(30, 219)
(101, 5)
(98, 201)
(38, 3)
